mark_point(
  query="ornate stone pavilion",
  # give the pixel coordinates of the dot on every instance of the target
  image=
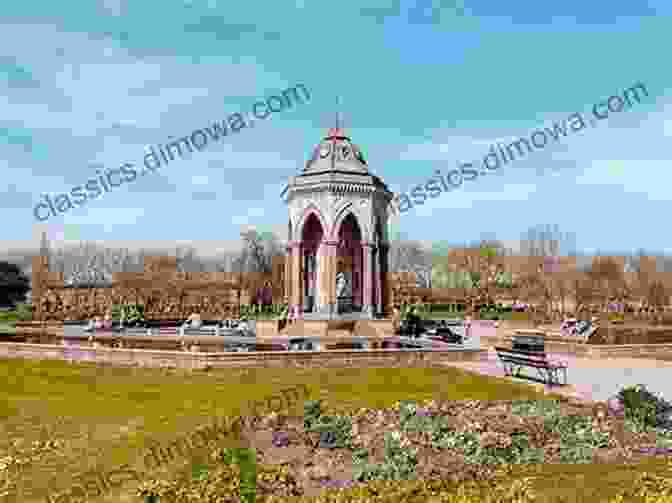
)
(338, 244)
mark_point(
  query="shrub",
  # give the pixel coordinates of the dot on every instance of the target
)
(14, 284)
(543, 408)
(578, 439)
(645, 409)
(8, 316)
(335, 431)
(481, 450)
(256, 311)
(466, 441)
(400, 462)
(280, 309)
(199, 471)
(224, 455)
(312, 409)
(413, 418)
(24, 312)
(407, 410)
(517, 452)
(132, 312)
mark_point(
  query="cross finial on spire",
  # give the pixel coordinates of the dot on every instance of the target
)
(338, 112)
(338, 129)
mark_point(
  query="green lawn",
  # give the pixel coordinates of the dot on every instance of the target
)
(8, 322)
(104, 416)
(7, 328)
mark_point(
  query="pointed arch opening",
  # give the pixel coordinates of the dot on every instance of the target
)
(312, 234)
(349, 265)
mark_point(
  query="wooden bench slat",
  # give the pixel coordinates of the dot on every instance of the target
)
(524, 358)
(538, 360)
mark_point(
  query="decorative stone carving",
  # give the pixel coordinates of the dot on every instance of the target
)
(335, 199)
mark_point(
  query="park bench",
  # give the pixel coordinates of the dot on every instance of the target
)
(528, 340)
(516, 359)
(449, 335)
(164, 324)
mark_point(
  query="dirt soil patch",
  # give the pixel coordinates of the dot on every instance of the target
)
(315, 468)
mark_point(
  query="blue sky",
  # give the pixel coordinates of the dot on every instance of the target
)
(424, 85)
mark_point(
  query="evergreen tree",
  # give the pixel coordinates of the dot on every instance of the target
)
(14, 284)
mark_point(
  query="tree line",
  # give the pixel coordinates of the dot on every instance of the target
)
(545, 269)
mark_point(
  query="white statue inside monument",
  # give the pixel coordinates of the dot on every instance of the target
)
(342, 285)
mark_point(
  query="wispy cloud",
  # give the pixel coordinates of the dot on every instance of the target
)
(107, 79)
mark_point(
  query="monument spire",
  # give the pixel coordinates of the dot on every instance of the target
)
(338, 112)
(338, 130)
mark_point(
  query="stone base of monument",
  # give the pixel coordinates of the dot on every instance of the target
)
(354, 326)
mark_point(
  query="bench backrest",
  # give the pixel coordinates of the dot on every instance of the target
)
(528, 341)
(528, 347)
(165, 323)
(528, 356)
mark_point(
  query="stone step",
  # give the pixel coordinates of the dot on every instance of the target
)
(343, 334)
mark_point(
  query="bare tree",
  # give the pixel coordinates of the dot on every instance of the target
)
(258, 251)
(547, 241)
(82, 265)
(484, 265)
(552, 283)
(583, 292)
(256, 258)
(657, 296)
(188, 260)
(411, 256)
(607, 278)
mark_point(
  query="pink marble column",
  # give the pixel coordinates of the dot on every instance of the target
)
(287, 293)
(332, 254)
(367, 277)
(322, 275)
(357, 273)
(296, 303)
(383, 260)
(378, 293)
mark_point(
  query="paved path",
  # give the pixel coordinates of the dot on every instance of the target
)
(591, 379)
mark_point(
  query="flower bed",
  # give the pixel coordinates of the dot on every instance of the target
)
(445, 446)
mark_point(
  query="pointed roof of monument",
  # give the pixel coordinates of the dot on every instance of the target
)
(336, 152)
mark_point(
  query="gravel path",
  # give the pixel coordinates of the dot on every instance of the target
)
(590, 379)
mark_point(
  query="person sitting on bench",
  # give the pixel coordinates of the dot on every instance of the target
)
(243, 326)
(194, 321)
(414, 325)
